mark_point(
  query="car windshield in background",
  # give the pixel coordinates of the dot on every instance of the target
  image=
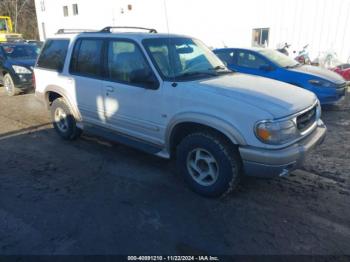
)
(184, 58)
(21, 51)
(278, 58)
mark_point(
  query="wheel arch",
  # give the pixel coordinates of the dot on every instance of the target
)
(53, 92)
(188, 123)
(4, 72)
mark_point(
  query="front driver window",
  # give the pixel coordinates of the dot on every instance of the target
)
(249, 60)
(226, 57)
(127, 64)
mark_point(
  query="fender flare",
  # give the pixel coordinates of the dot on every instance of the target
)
(226, 128)
(61, 91)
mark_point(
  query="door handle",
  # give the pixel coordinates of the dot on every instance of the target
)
(110, 89)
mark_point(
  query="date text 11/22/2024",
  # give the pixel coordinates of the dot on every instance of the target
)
(173, 258)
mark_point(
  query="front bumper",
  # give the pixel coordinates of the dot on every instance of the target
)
(269, 163)
(23, 82)
(332, 96)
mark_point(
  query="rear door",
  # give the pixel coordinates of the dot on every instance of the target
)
(86, 71)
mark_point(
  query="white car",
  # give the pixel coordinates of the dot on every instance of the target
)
(169, 95)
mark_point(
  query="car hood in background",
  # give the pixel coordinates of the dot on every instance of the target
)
(277, 98)
(320, 72)
(29, 63)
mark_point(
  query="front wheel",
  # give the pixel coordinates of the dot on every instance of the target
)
(63, 120)
(9, 85)
(210, 164)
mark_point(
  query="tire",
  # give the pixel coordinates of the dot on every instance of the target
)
(9, 85)
(194, 157)
(63, 120)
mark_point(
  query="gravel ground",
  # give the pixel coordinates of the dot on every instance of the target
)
(92, 197)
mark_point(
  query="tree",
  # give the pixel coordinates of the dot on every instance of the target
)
(23, 15)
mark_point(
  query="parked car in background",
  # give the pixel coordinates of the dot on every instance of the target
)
(330, 60)
(343, 70)
(17, 61)
(169, 95)
(327, 85)
(35, 42)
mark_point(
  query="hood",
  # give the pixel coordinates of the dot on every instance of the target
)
(320, 72)
(277, 98)
(29, 63)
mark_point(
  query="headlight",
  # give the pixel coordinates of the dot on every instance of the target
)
(318, 110)
(276, 132)
(321, 83)
(21, 70)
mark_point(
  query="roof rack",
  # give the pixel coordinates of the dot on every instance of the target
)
(108, 29)
(73, 31)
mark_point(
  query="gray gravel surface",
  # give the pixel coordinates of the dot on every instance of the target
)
(93, 197)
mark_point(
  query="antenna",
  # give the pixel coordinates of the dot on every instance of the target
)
(170, 57)
(166, 16)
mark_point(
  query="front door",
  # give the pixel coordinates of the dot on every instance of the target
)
(250, 63)
(132, 93)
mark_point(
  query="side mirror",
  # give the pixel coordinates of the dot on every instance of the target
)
(267, 68)
(144, 78)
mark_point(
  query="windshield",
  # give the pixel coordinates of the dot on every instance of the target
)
(278, 58)
(179, 58)
(3, 25)
(21, 51)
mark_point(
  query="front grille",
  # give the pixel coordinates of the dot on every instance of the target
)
(307, 119)
(341, 86)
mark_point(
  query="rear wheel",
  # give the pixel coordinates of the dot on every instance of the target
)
(210, 164)
(9, 85)
(63, 120)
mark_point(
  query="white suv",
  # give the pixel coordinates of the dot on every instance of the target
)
(169, 95)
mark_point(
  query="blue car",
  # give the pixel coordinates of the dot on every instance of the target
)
(327, 85)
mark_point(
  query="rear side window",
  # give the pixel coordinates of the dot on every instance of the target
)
(86, 59)
(53, 55)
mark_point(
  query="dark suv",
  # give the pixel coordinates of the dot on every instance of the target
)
(16, 66)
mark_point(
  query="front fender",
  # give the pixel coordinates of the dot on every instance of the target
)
(214, 122)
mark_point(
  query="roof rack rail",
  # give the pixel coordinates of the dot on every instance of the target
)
(73, 31)
(108, 29)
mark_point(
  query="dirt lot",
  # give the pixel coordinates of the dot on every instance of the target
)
(91, 197)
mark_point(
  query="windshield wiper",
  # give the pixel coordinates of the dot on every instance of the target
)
(294, 66)
(218, 68)
(221, 69)
(199, 73)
